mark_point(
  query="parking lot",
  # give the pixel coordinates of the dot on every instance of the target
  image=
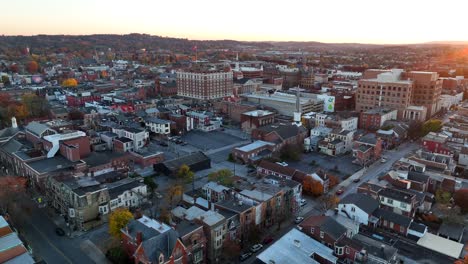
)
(343, 164)
(210, 140)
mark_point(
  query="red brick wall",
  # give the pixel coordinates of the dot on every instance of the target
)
(82, 143)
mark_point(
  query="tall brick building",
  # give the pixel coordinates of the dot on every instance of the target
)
(396, 89)
(205, 84)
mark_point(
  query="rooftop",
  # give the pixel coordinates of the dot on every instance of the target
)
(254, 145)
(396, 195)
(441, 245)
(258, 113)
(296, 247)
(364, 202)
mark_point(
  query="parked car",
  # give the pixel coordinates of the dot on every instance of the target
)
(340, 191)
(245, 256)
(303, 202)
(59, 231)
(299, 219)
(284, 164)
(256, 248)
(383, 160)
(356, 180)
(267, 240)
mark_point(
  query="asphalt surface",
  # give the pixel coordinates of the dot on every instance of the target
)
(39, 232)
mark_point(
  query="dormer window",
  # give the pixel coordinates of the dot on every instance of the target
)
(161, 258)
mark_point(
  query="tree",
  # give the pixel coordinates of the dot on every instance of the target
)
(21, 112)
(461, 199)
(185, 174)
(32, 67)
(6, 80)
(35, 105)
(223, 177)
(442, 196)
(11, 190)
(70, 82)
(14, 68)
(174, 192)
(150, 183)
(118, 220)
(333, 181)
(327, 202)
(415, 130)
(312, 186)
(290, 152)
(432, 125)
(231, 249)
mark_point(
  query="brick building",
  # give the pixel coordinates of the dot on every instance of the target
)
(205, 84)
(255, 119)
(375, 118)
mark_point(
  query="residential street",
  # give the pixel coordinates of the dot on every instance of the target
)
(39, 231)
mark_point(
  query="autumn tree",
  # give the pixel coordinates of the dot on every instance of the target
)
(35, 105)
(333, 181)
(5, 80)
(415, 129)
(442, 197)
(70, 82)
(184, 174)
(461, 199)
(223, 177)
(174, 192)
(327, 202)
(311, 186)
(32, 67)
(118, 220)
(14, 68)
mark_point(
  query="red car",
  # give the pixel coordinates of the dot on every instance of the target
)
(340, 191)
(267, 240)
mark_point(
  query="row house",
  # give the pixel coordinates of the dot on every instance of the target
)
(12, 249)
(323, 229)
(436, 143)
(367, 149)
(337, 142)
(374, 119)
(158, 126)
(255, 119)
(87, 202)
(146, 241)
(398, 201)
(215, 192)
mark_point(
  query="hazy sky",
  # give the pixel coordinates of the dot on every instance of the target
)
(364, 21)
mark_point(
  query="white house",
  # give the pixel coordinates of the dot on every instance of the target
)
(463, 157)
(358, 207)
(126, 193)
(138, 136)
(158, 126)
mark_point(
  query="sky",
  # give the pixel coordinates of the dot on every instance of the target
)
(336, 21)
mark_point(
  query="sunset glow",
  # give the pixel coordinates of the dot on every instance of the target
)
(363, 21)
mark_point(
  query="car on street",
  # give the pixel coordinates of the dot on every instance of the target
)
(303, 202)
(256, 248)
(267, 240)
(340, 191)
(356, 180)
(284, 164)
(59, 231)
(245, 256)
(299, 219)
(383, 160)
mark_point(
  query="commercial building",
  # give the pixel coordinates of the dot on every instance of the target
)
(205, 84)
(427, 88)
(375, 118)
(285, 103)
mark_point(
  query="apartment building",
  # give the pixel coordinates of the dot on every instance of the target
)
(205, 84)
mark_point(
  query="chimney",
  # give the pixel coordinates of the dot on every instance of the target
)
(139, 238)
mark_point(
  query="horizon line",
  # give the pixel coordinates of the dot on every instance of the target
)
(441, 42)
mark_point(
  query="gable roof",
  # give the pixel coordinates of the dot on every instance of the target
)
(37, 128)
(393, 217)
(326, 224)
(364, 202)
(283, 130)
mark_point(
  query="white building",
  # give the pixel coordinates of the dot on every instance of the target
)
(158, 126)
(139, 137)
(358, 207)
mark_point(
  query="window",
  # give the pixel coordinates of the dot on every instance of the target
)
(312, 230)
(403, 205)
(390, 201)
(402, 229)
(347, 250)
(353, 209)
(322, 234)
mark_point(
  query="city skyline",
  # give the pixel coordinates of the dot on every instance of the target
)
(338, 22)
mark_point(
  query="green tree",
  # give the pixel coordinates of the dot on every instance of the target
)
(6, 80)
(149, 181)
(290, 152)
(432, 125)
(118, 220)
(223, 177)
(185, 174)
(442, 196)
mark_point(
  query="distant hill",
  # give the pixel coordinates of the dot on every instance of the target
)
(447, 43)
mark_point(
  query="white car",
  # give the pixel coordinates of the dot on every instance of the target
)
(383, 160)
(299, 219)
(284, 164)
(303, 202)
(256, 248)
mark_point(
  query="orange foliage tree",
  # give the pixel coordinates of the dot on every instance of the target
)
(312, 186)
(333, 181)
(32, 67)
(70, 82)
